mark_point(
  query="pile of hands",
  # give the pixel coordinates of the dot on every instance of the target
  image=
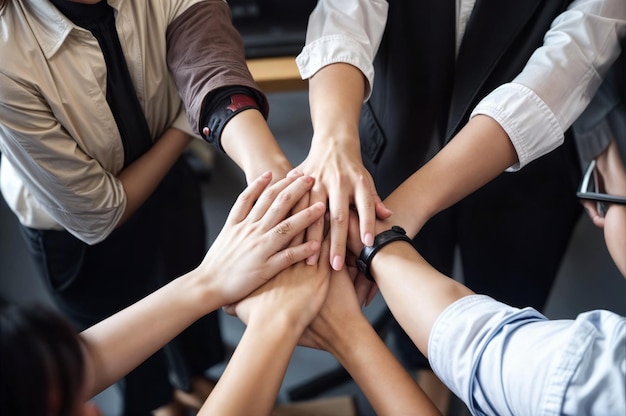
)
(267, 270)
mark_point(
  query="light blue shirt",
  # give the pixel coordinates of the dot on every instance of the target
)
(502, 360)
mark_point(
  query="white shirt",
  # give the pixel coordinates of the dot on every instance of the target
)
(504, 361)
(536, 108)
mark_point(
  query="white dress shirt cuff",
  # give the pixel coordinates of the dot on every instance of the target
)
(334, 49)
(531, 125)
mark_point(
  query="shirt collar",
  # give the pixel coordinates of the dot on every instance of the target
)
(50, 26)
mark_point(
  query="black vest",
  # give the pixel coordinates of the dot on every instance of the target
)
(419, 87)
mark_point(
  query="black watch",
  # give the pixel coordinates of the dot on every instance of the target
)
(396, 233)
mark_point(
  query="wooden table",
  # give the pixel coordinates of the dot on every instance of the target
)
(277, 74)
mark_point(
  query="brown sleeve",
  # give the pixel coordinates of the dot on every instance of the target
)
(205, 52)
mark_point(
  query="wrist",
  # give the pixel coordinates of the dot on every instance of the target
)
(349, 341)
(277, 321)
(277, 163)
(340, 336)
(203, 293)
(382, 239)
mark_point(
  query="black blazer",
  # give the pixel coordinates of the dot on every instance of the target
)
(418, 87)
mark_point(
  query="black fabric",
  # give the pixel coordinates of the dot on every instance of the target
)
(164, 239)
(513, 232)
(131, 122)
(411, 89)
(215, 118)
(89, 283)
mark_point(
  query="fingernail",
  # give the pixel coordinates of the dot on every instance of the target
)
(267, 174)
(308, 179)
(369, 239)
(337, 263)
(310, 261)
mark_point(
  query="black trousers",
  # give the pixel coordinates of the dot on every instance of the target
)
(512, 235)
(164, 239)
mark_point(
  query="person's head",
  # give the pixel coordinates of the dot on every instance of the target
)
(41, 361)
(603, 191)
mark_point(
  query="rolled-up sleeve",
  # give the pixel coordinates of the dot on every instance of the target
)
(508, 361)
(560, 78)
(71, 186)
(344, 32)
(205, 52)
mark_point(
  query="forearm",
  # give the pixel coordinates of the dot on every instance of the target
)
(387, 385)
(415, 292)
(476, 155)
(336, 95)
(142, 177)
(118, 344)
(251, 381)
(248, 141)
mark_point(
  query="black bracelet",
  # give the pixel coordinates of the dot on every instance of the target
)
(396, 233)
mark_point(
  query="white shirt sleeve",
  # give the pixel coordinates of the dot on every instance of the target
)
(347, 31)
(560, 78)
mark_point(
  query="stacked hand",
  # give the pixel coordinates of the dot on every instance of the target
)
(254, 244)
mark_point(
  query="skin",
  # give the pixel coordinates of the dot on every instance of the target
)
(276, 316)
(142, 177)
(335, 160)
(257, 231)
(336, 95)
(433, 291)
(341, 329)
(613, 173)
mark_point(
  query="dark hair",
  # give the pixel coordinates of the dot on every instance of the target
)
(40, 358)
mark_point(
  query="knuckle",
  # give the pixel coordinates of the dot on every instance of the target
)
(339, 218)
(282, 228)
(362, 179)
(289, 255)
(284, 197)
(245, 197)
(270, 193)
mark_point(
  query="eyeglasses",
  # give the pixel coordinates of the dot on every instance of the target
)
(591, 190)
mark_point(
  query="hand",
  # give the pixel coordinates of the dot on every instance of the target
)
(341, 180)
(296, 293)
(340, 310)
(253, 244)
(365, 288)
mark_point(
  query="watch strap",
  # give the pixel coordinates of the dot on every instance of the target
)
(395, 233)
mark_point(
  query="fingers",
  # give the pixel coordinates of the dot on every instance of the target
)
(382, 212)
(365, 202)
(301, 205)
(287, 230)
(324, 254)
(245, 201)
(339, 218)
(292, 255)
(354, 242)
(316, 230)
(276, 203)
